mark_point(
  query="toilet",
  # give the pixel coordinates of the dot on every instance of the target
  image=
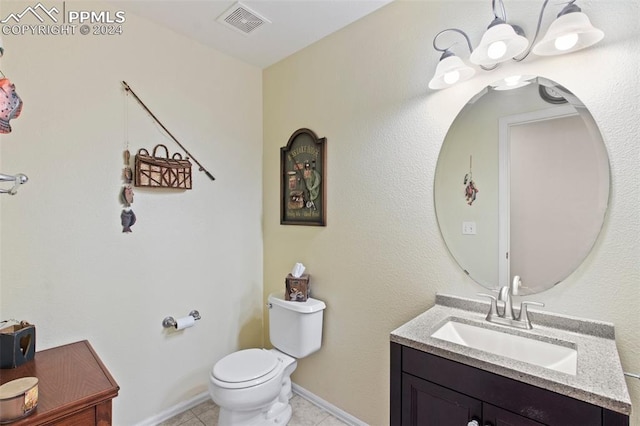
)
(253, 386)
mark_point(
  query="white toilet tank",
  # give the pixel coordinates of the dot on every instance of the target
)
(295, 328)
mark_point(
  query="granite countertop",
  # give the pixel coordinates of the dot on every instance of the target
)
(599, 379)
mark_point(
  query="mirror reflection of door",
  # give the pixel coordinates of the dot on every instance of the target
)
(546, 177)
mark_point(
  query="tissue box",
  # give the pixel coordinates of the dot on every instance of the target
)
(17, 344)
(297, 289)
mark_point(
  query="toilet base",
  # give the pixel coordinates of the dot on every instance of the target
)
(277, 413)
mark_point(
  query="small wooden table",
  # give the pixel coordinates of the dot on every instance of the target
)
(75, 388)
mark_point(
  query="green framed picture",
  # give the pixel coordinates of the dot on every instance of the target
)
(303, 180)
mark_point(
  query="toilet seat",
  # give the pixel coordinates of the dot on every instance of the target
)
(245, 368)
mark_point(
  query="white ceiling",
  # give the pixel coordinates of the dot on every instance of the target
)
(294, 25)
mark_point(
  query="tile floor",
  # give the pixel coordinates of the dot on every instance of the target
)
(305, 413)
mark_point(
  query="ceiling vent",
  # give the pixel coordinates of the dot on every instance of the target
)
(241, 18)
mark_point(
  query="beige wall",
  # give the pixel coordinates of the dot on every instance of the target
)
(66, 265)
(381, 259)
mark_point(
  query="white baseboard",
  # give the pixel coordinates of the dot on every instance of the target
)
(175, 410)
(203, 397)
(327, 406)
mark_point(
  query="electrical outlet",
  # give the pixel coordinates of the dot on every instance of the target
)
(468, 228)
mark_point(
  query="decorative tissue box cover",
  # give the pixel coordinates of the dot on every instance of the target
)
(297, 289)
(17, 344)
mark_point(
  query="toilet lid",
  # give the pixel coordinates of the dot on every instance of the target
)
(245, 365)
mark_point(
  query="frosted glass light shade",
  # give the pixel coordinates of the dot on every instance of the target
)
(498, 44)
(564, 29)
(450, 70)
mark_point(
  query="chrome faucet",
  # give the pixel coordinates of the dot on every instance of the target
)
(507, 316)
(505, 297)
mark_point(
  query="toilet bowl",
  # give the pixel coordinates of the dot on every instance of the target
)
(253, 386)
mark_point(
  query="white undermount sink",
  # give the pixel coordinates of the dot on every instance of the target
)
(533, 351)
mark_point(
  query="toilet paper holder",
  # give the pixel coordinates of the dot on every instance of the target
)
(170, 322)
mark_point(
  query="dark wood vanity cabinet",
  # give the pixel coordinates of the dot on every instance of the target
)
(430, 390)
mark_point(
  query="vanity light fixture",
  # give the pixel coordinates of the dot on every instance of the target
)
(451, 69)
(502, 41)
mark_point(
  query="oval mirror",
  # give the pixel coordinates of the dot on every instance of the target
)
(522, 185)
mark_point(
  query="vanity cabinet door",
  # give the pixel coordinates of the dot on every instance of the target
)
(494, 416)
(427, 404)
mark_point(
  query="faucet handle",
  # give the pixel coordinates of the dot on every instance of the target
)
(524, 304)
(493, 310)
(524, 314)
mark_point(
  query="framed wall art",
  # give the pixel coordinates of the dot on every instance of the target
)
(303, 180)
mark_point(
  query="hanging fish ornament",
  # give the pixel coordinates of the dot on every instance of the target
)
(127, 175)
(127, 172)
(127, 195)
(128, 219)
(10, 104)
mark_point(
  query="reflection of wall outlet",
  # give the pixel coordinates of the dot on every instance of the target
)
(468, 228)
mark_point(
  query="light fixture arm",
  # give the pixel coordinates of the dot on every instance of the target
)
(446, 52)
(535, 37)
(569, 8)
(504, 11)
